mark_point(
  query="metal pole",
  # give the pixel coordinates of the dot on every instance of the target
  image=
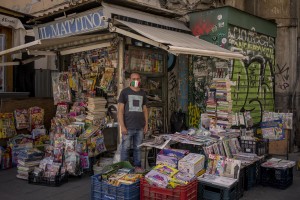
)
(121, 52)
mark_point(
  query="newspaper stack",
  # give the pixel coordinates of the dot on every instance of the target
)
(27, 160)
(96, 108)
(224, 102)
(211, 103)
(278, 163)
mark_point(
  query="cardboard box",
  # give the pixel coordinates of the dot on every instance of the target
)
(170, 157)
(192, 163)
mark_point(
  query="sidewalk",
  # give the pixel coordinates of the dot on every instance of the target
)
(12, 188)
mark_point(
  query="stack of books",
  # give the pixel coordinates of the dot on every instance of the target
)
(211, 104)
(27, 160)
(96, 108)
(224, 102)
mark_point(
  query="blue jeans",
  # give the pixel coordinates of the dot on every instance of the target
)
(137, 136)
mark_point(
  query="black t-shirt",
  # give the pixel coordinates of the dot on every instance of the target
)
(133, 110)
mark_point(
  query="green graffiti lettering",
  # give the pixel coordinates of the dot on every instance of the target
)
(194, 115)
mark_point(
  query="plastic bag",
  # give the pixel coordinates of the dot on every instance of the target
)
(117, 157)
(178, 121)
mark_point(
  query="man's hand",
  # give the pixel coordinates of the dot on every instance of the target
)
(145, 129)
(124, 130)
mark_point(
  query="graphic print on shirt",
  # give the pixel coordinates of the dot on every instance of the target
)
(135, 103)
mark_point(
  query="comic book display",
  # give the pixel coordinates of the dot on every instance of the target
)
(36, 118)
(92, 69)
(7, 125)
(22, 118)
(75, 134)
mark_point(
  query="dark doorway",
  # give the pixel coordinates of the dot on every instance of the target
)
(24, 75)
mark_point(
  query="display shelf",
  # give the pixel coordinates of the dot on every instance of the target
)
(151, 65)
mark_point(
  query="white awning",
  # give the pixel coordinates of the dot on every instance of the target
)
(174, 42)
(61, 44)
(109, 10)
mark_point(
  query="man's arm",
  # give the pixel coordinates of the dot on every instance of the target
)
(121, 107)
(145, 111)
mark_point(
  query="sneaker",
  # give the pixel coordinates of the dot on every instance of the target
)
(139, 170)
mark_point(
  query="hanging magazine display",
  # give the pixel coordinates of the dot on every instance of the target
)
(61, 88)
(273, 130)
(287, 118)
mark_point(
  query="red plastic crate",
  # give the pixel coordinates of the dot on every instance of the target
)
(187, 192)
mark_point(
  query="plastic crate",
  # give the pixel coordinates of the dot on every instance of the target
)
(187, 192)
(260, 147)
(279, 178)
(208, 191)
(258, 170)
(102, 190)
(250, 176)
(55, 181)
(241, 184)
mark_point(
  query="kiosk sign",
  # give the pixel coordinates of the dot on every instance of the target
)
(77, 24)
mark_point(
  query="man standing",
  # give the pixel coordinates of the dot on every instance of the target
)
(133, 118)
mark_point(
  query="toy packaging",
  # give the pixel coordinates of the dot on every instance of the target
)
(192, 163)
(36, 117)
(157, 179)
(166, 170)
(22, 118)
(183, 178)
(170, 157)
(7, 126)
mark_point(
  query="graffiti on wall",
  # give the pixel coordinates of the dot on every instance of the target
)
(194, 115)
(251, 43)
(190, 5)
(183, 83)
(203, 27)
(212, 30)
(282, 76)
(202, 72)
(253, 79)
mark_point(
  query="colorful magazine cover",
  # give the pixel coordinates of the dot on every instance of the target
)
(227, 148)
(216, 148)
(210, 164)
(232, 168)
(22, 118)
(273, 130)
(220, 164)
(221, 149)
(36, 117)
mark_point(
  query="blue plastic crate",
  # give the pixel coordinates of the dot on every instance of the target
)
(208, 191)
(103, 190)
(96, 188)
